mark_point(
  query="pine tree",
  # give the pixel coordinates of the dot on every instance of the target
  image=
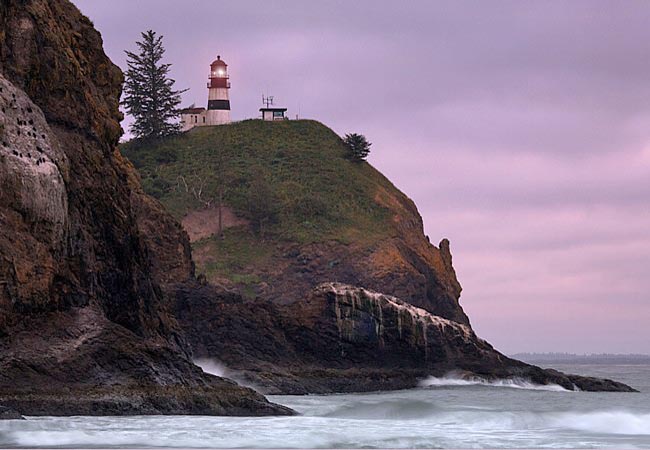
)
(358, 146)
(149, 94)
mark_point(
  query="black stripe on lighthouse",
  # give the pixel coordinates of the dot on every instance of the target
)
(219, 104)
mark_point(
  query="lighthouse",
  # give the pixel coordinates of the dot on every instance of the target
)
(218, 100)
(218, 112)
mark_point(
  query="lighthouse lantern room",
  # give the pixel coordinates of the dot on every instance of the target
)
(218, 111)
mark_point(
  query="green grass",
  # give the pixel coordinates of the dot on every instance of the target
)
(316, 192)
(234, 254)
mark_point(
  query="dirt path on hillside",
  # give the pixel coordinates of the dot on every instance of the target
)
(204, 223)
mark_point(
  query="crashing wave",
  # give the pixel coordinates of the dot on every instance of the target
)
(216, 367)
(458, 379)
(396, 409)
(212, 366)
(611, 422)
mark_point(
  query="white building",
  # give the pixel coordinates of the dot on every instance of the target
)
(218, 111)
(273, 113)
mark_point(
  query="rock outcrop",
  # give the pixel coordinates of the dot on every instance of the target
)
(343, 338)
(406, 265)
(83, 323)
(330, 219)
(9, 414)
(95, 276)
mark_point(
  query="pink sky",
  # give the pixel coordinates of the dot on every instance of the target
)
(520, 129)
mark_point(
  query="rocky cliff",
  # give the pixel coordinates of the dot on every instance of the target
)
(83, 326)
(297, 213)
(342, 338)
(95, 275)
(292, 297)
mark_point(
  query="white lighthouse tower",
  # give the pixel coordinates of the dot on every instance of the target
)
(218, 100)
(218, 111)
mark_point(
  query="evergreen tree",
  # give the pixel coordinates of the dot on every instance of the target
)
(358, 146)
(149, 94)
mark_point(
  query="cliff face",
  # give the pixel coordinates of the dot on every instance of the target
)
(299, 213)
(49, 51)
(83, 327)
(35, 213)
(342, 338)
(305, 227)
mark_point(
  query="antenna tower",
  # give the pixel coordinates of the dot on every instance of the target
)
(268, 100)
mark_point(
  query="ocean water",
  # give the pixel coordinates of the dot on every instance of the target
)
(444, 413)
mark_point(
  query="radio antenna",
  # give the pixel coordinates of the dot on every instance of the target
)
(268, 100)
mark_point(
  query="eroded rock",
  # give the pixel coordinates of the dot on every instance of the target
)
(83, 323)
(33, 203)
(344, 338)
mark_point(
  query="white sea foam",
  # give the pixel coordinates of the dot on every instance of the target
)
(354, 427)
(454, 379)
(465, 416)
(212, 366)
(216, 367)
(612, 422)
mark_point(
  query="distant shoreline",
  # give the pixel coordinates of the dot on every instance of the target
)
(572, 358)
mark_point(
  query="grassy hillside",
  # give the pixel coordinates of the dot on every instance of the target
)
(290, 180)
